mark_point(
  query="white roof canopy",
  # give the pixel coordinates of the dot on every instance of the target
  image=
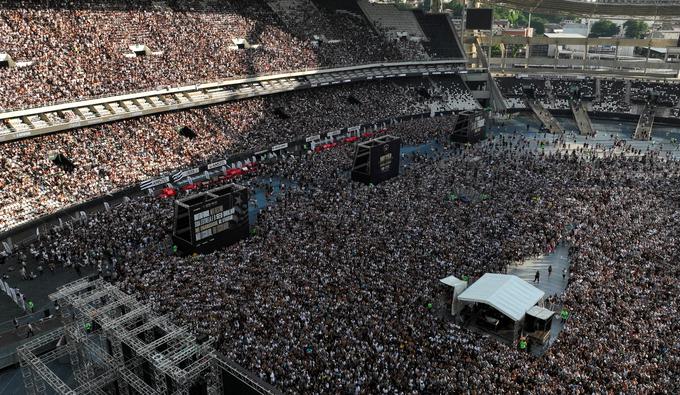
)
(540, 312)
(452, 281)
(508, 294)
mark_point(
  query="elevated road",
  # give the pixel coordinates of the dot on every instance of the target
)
(592, 9)
(590, 41)
(583, 122)
(592, 62)
(42, 120)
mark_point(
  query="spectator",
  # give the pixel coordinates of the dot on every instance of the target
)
(326, 296)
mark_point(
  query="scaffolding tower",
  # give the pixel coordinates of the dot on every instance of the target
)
(117, 345)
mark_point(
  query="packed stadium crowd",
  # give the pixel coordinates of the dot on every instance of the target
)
(664, 93)
(112, 156)
(585, 88)
(613, 98)
(77, 49)
(332, 291)
(330, 294)
(555, 93)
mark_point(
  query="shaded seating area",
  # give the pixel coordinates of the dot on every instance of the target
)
(442, 40)
(343, 5)
(391, 19)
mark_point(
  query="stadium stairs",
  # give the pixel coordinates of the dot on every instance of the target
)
(583, 122)
(546, 118)
(643, 131)
(442, 40)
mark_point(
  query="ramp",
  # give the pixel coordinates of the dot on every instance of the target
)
(643, 131)
(546, 118)
(583, 122)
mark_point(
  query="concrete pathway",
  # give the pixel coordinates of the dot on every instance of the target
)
(550, 284)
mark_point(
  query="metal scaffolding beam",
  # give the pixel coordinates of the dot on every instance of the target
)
(138, 312)
(147, 325)
(151, 347)
(72, 288)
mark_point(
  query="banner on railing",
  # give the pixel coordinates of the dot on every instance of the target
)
(217, 164)
(154, 183)
(13, 293)
(293, 146)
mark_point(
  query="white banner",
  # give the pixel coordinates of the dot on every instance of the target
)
(219, 163)
(154, 183)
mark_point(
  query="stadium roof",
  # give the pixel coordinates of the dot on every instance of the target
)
(508, 294)
(590, 9)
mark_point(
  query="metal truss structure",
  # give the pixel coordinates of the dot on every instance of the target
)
(117, 345)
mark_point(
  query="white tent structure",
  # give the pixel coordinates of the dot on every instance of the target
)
(508, 294)
(453, 282)
(6, 61)
(458, 286)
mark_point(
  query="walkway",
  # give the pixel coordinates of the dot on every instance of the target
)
(549, 122)
(645, 124)
(665, 139)
(585, 126)
(550, 284)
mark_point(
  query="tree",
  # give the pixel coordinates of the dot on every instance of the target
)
(403, 5)
(456, 8)
(539, 25)
(636, 29)
(518, 18)
(513, 17)
(604, 29)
